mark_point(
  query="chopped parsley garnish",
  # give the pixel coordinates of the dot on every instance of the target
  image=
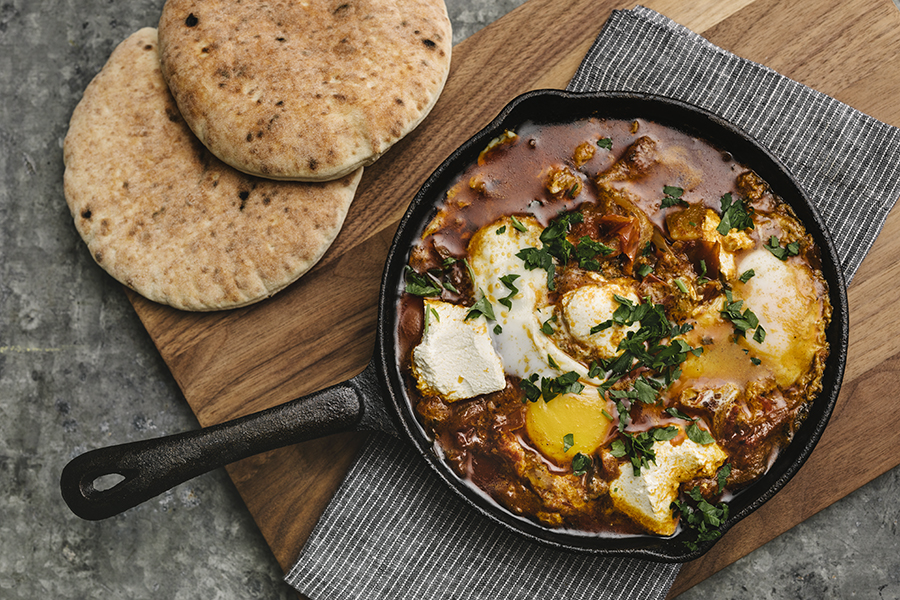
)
(554, 245)
(644, 270)
(517, 224)
(734, 216)
(469, 270)
(550, 388)
(702, 279)
(704, 519)
(546, 328)
(672, 197)
(645, 346)
(759, 336)
(430, 314)
(601, 326)
(698, 435)
(554, 236)
(605, 143)
(644, 390)
(581, 463)
(501, 229)
(747, 275)
(695, 433)
(497, 329)
(639, 447)
(782, 252)
(507, 280)
(742, 321)
(482, 307)
(587, 252)
(568, 441)
(595, 370)
(535, 258)
(532, 391)
(421, 285)
(722, 476)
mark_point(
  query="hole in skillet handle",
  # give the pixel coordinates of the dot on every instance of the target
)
(147, 468)
(554, 106)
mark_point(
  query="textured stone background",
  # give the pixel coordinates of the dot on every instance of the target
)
(77, 371)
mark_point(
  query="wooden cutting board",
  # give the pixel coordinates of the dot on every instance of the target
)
(321, 330)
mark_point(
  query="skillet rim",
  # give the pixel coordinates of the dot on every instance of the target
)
(721, 133)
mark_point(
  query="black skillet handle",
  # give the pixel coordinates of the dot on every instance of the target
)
(151, 467)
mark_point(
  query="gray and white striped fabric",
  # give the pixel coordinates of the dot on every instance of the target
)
(848, 162)
(393, 531)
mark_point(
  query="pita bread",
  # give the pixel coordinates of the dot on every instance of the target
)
(164, 216)
(305, 91)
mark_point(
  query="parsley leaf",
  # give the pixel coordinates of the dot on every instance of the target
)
(704, 519)
(481, 307)
(507, 280)
(551, 387)
(722, 476)
(501, 229)
(644, 270)
(554, 245)
(517, 224)
(672, 197)
(742, 321)
(605, 143)
(587, 252)
(695, 433)
(568, 442)
(535, 258)
(639, 447)
(546, 328)
(420, 285)
(698, 435)
(734, 216)
(747, 275)
(781, 253)
(581, 463)
(601, 326)
(532, 391)
(430, 313)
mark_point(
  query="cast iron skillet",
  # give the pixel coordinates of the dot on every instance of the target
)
(376, 398)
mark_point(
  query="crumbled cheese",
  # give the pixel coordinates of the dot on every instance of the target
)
(647, 497)
(455, 359)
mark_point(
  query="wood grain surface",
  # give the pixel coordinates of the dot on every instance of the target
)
(321, 330)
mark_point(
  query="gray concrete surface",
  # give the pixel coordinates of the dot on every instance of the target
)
(77, 371)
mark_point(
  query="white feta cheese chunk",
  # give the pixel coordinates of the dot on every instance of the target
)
(455, 359)
(646, 498)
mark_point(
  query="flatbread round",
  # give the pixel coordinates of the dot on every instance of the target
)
(306, 91)
(164, 216)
